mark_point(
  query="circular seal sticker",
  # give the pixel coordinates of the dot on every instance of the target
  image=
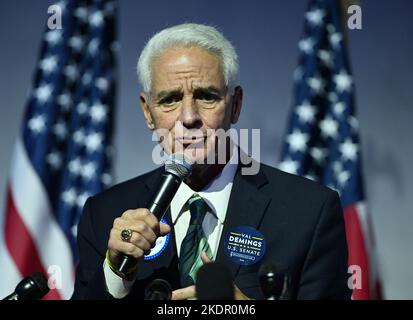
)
(159, 247)
(245, 245)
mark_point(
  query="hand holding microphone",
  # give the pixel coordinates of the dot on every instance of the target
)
(135, 232)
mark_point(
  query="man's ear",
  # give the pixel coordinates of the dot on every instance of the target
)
(144, 101)
(236, 104)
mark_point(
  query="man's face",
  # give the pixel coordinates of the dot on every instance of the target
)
(189, 97)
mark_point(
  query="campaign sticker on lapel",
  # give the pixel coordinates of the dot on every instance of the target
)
(159, 247)
(245, 245)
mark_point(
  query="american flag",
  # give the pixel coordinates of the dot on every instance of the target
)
(63, 153)
(322, 141)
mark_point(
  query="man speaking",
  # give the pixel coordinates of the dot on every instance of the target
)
(220, 212)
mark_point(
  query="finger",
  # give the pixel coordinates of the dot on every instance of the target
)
(184, 293)
(136, 214)
(125, 248)
(137, 239)
(139, 227)
(204, 257)
(145, 215)
(164, 229)
(238, 294)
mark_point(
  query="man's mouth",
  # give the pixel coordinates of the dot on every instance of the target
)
(187, 141)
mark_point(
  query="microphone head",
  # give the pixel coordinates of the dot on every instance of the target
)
(179, 165)
(273, 279)
(158, 289)
(214, 282)
(32, 287)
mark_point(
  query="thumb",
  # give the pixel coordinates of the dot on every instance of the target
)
(164, 229)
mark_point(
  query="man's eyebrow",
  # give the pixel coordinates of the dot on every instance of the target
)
(166, 93)
(209, 89)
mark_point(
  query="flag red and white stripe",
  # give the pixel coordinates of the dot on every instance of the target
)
(31, 239)
(362, 252)
(63, 153)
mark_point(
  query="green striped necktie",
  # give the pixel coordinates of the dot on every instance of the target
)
(194, 242)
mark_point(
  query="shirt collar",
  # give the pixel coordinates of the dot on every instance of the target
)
(216, 193)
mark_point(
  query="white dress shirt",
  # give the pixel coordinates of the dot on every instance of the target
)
(216, 195)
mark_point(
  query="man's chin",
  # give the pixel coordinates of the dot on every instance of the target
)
(198, 156)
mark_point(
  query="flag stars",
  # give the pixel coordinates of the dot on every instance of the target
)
(337, 167)
(71, 72)
(79, 136)
(37, 124)
(332, 97)
(60, 130)
(319, 155)
(107, 179)
(54, 159)
(343, 177)
(326, 57)
(306, 45)
(102, 84)
(81, 199)
(354, 123)
(88, 171)
(306, 112)
(335, 39)
(93, 46)
(69, 197)
(343, 81)
(86, 78)
(62, 4)
(96, 19)
(339, 108)
(349, 150)
(329, 127)
(81, 13)
(43, 93)
(53, 37)
(297, 141)
(49, 64)
(93, 142)
(289, 165)
(65, 101)
(76, 43)
(82, 108)
(315, 17)
(98, 112)
(316, 85)
(75, 166)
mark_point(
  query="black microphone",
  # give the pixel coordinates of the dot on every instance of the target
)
(275, 281)
(158, 289)
(214, 282)
(177, 168)
(32, 287)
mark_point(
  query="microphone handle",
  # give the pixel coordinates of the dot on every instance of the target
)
(168, 187)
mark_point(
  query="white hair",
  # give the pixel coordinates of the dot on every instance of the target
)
(189, 35)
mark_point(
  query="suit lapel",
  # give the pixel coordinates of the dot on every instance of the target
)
(247, 206)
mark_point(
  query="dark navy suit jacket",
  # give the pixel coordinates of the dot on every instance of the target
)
(302, 223)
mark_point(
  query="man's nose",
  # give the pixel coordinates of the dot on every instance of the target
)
(189, 116)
